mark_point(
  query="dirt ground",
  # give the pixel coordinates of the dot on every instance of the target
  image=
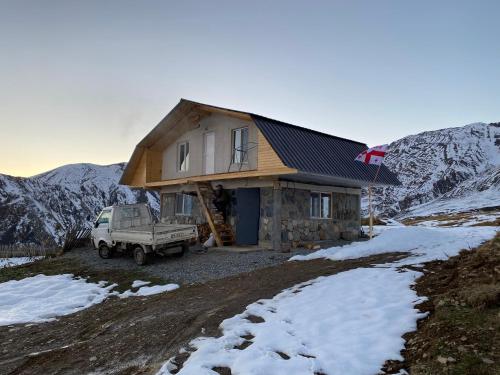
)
(137, 335)
(461, 335)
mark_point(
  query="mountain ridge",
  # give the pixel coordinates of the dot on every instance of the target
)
(450, 169)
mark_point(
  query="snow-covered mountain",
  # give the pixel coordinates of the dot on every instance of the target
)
(41, 208)
(455, 169)
(447, 170)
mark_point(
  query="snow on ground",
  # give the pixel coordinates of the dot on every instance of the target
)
(423, 243)
(11, 262)
(348, 323)
(41, 298)
(139, 283)
(147, 290)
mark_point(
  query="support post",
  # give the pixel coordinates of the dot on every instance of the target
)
(370, 232)
(208, 216)
(276, 231)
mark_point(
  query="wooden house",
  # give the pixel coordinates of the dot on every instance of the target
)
(288, 185)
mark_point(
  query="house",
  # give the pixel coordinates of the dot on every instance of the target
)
(287, 184)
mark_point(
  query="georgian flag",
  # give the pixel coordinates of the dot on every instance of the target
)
(374, 155)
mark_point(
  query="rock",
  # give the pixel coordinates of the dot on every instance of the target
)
(93, 359)
(487, 361)
(444, 360)
(441, 360)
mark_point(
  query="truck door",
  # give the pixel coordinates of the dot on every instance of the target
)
(101, 228)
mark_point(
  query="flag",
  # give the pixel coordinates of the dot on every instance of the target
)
(374, 155)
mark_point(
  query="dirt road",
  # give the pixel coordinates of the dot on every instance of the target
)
(137, 335)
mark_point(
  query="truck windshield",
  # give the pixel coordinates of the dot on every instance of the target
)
(104, 217)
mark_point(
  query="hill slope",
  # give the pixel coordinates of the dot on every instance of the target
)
(444, 170)
(39, 209)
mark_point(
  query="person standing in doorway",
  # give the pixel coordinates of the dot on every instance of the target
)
(221, 200)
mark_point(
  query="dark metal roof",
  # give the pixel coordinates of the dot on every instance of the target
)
(313, 152)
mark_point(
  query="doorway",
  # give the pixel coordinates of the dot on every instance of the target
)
(248, 216)
(209, 153)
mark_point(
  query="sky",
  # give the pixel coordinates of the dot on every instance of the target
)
(85, 81)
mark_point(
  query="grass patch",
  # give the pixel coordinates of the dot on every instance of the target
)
(63, 265)
(376, 221)
(461, 334)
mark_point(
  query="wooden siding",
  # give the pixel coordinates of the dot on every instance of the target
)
(139, 177)
(267, 158)
(153, 165)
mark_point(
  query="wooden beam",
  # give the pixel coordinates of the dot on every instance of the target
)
(208, 215)
(224, 176)
(319, 188)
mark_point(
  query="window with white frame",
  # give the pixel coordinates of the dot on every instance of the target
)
(240, 145)
(183, 156)
(183, 204)
(321, 205)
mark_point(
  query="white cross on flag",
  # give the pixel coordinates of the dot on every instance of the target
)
(374, 155)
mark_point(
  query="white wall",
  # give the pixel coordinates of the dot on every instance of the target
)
(221, 125)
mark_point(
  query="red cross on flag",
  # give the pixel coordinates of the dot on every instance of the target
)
(374, 155)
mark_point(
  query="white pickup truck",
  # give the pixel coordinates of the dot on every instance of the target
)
(130, 228)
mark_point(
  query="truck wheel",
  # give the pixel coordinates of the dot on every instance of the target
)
(140, 257)
(105, 252)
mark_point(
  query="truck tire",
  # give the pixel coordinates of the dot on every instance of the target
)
(140, 256)
(105, 252)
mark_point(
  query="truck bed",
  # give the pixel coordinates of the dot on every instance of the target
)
(157, 234)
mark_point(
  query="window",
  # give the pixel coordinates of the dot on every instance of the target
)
(240, 145)
(130, 212)
(103, 220)
(183, 204)
(321, 205)
(183, 159)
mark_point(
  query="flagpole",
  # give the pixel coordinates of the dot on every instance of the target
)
(370, 232)
(370, 201)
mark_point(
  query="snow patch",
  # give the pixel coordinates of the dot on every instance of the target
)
(349, 323)
(423, 243)
(148, 290)
(139, 283)
(12, 262)
(42, 298)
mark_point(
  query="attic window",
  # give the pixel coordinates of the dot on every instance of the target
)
(240, 145)
(183, 157)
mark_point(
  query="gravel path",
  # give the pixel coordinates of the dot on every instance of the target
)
(192, 267)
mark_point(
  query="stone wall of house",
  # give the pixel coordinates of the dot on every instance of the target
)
(266, 216)
(298, 227)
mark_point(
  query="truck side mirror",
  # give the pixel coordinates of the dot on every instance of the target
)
(96, 224)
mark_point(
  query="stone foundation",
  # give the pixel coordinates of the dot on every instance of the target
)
(284, 217)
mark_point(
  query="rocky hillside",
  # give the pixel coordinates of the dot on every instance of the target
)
(450, 169)
(453, 169)
(39, 209)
